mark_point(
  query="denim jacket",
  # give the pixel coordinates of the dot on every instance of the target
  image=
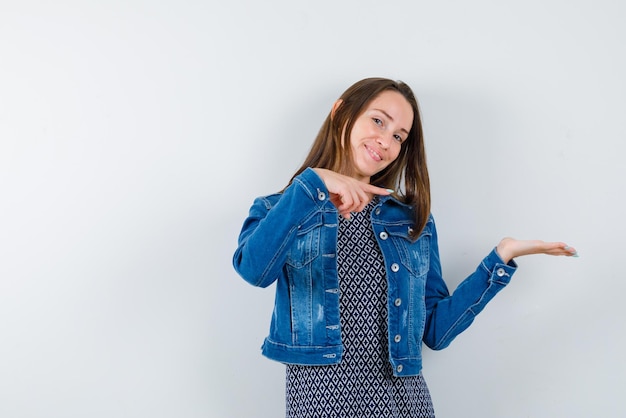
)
(291, 238)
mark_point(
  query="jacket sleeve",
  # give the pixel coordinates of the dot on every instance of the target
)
(271, 227)
(449, 315)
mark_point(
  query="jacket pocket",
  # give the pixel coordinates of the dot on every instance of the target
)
(306, 246)
(414, 255)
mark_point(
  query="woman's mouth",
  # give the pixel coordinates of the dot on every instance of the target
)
(375, 155)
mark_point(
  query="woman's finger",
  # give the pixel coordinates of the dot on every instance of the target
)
(377, 190)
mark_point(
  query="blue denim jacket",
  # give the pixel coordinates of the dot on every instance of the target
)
(291, 239)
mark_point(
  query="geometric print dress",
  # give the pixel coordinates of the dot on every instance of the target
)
(362, 385)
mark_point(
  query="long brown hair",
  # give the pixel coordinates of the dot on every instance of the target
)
(408, 174)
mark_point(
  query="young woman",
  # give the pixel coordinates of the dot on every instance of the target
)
(352, 247)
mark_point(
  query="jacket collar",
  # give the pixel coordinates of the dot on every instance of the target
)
(392, 200)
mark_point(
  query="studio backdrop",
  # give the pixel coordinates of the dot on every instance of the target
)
(134, 136)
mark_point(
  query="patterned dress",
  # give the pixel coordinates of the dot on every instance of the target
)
(362, 385)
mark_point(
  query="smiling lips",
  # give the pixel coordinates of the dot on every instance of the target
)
(375, 155)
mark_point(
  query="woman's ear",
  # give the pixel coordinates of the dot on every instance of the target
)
(336, 106)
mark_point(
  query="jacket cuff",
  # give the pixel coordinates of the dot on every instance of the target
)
(498, 270)
(311, 180)
(313, 185)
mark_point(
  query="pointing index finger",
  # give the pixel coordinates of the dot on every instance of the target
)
(379, 190)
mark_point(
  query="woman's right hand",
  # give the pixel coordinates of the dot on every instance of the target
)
(348, 194)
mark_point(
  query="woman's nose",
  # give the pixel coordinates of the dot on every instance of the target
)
(383, 141)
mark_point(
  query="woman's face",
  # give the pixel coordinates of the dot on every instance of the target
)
(378, 133)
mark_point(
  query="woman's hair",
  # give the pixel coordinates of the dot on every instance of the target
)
(407, 175)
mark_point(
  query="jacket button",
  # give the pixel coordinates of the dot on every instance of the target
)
(397, 302)
(321, 195)
(383, 235)
(397, 338)
(399, 368)
(395, 267)
(500, 272)
(378, 211)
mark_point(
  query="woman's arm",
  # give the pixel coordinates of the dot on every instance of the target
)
(449, 315)
(271, 227)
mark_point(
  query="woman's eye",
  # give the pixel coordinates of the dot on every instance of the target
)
(398, 138)
(377, 121)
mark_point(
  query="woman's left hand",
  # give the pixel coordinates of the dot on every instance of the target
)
(510, 248)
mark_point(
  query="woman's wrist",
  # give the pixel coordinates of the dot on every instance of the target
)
(504, 250)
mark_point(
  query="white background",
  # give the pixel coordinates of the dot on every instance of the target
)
(134, 136)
